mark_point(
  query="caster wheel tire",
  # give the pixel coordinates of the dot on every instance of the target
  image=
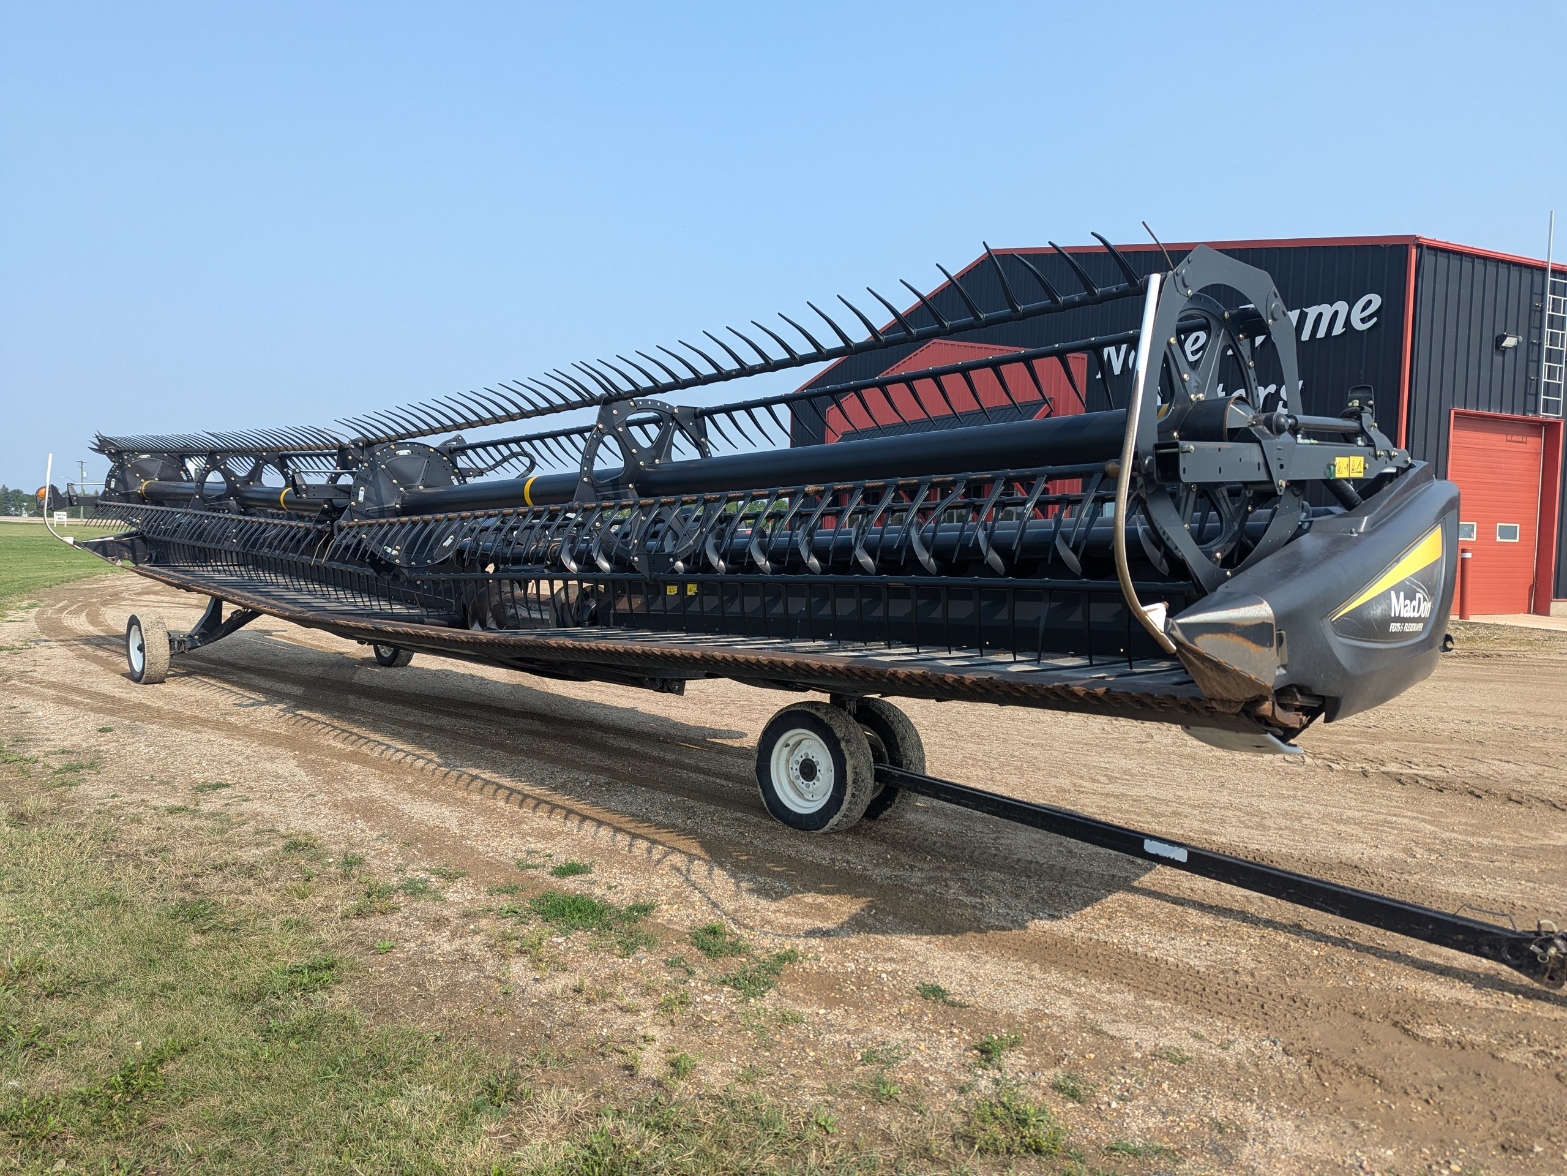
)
(391, 656)
(147, 650)
(814, 767)
(895, 742)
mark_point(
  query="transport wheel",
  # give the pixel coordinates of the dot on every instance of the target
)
(391, 656)
(147, 650)
(814, 767)
(894, 742)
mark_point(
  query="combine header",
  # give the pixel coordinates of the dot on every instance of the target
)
(1202, 554)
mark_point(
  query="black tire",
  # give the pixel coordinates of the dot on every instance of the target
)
(814, 768)
(895, 742)
(391, 656)
(147, 650)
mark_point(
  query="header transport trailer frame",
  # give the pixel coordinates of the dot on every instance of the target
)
(1202, 554)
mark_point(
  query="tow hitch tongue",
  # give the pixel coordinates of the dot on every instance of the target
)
(1540, 955)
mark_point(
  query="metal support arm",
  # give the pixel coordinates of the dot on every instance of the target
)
(1540, 955)
(212, 627)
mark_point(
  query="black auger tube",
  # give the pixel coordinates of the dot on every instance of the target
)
(316, 495)
(1067, 440)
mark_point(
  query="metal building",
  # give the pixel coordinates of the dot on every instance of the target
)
(1462, 348)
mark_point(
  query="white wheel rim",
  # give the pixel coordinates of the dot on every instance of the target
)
(803, 774)
(137, 648)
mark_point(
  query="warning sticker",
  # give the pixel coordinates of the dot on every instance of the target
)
(1349, 467)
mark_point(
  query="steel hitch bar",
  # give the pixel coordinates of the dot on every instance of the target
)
(211, 627)
(1540, 955)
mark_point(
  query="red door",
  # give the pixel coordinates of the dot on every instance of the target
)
(1497, 463)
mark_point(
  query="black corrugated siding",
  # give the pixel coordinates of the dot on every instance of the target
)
(1462, 303)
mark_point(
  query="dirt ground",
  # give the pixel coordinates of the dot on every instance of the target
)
(1239, 1033)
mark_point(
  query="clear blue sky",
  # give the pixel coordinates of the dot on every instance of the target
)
(229, 215)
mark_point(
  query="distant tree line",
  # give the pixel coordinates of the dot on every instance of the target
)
(18, 502)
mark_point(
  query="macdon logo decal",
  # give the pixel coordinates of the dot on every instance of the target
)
(1416, 607)
(1398, 604)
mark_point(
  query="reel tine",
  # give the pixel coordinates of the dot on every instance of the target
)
(926, 303)
(672, 382)
(1006, 389)
(533, 404)
(776, 338)
(1001, 275)
(734, 419)
(609, 390)
(1104, 375)
(869, 326)
(968, 378)
(717, 370)
(584, 393)
(1072, 380)
(979, 315)
(1044, 282)
(782, 428)
(919, 401)
(837, 330)
(808, 338)
(1082, 274)
(760, 430)
(767, 360)
(740, 364)
(1131, 275)
(504, 404)
(712, 419)
(631, 384)
(682, 361)
(652, 381)
(897, 314)
(1038, 384)
(554, 401)
(941, 387)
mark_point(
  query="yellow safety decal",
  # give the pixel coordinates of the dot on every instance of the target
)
(1349, 467)
(527, 490)
(671, 590)
(691, 589)
(1422, 555)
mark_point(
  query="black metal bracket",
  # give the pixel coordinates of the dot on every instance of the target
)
(617, 421)
(212, 627)
(1540, 955)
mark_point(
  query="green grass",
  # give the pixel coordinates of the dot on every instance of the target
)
(31, 560)
(571, 869)
(757, 977)
(1141, 1151)
(992, 1046)
(1007, 1124)
(716, 941)
(939, 994)
(568, 912)
(143, 1030)
(1071, 1087)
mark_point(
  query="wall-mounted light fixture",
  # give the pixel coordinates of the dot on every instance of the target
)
(1508, 342)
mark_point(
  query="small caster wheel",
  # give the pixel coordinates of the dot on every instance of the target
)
(814, 767)
(894, 742)
(391, 656)
(147, 650)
